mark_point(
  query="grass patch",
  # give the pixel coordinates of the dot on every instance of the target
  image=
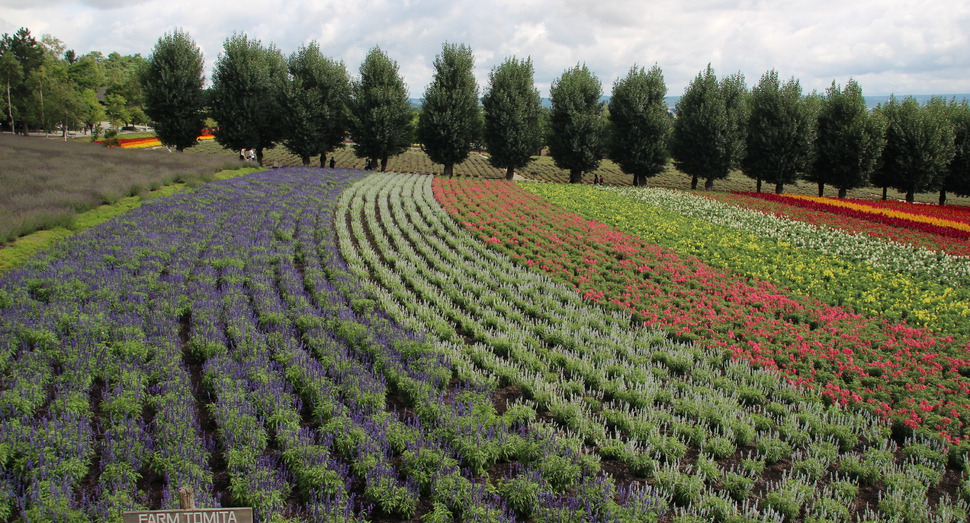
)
(17, 252)
(45, 183)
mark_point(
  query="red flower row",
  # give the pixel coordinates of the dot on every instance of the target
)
(895, 221)
(898, 233)
(893, 369)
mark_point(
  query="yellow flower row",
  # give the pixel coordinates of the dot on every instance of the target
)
(941, 222)
(831, 279)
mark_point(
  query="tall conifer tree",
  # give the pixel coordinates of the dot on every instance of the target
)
(449, 121)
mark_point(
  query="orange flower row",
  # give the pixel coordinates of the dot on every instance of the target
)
(891, 213)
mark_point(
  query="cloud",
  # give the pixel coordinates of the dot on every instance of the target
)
(889, 45)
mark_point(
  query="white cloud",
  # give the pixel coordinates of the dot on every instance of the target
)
(889, 46)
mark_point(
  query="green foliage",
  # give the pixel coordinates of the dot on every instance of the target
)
(779, 132)
(957, 178)
(172, 84)
(708, 135)
(849, 140)
(577, 141)
(512, 130)
(245, 97)
(314, 102)
(640, 124)
(919, 146)
(380, 113)
(521, 494)
(449, 115)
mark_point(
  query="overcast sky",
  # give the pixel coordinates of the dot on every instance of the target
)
(888, 46)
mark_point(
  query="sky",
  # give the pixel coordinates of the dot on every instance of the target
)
(916, 47)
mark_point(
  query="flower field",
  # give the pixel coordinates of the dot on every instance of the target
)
(147, 142)
(327, 346)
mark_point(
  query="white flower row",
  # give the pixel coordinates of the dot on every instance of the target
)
(882, 254)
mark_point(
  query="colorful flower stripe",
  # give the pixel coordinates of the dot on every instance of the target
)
(829, 279)
(959, 213)
(918, 263)
(148, 141)
(924, 223)
(899, 372)
(898, 234)
(916, 212)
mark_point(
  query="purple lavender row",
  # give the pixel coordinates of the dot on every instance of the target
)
(89, 286)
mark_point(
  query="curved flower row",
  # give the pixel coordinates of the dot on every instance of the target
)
(830, 279)
(931, 224)
(921, 213)
(148, 141)
(903, 373)
(852, 225)
(918, 262)
(955, 213)
(678, 413)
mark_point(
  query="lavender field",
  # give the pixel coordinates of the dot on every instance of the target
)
(324, 346)
(216, 340)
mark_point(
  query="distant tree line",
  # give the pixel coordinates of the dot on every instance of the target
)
(307, 102)
(49, 88)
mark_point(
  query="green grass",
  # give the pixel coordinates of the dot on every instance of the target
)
(17, 252)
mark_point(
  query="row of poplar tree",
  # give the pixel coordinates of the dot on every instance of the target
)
(47, 87)
(772, 133)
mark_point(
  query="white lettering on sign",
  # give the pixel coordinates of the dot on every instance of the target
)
(216, 515)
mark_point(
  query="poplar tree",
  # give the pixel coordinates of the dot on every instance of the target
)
(957, 178)
(640, 124)
(314, 104)
(919, 146)
(849, 140)
(779, 135)
(380, 112)
(246, 85)
(512, 129)
(449, 114)
(577, 142)
(708, 133)
(172, 87)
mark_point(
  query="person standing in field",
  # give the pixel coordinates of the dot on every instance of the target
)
(333, 162)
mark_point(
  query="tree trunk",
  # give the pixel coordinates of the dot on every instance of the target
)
(509, 173)
(449, 170)
(842, 191)
(323, 159)
(758, 185)
(259, 156)
(884, 191)
(821, 189)
(910, 196)
(306, 160)
(942, 196)
(180, 148)
(10, 109)
(709, 184)
(384, 164)
(779, 188)
(693, 182)
(636, 180)
(575, 176)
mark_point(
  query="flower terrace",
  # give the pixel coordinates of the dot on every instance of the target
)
(321, 345)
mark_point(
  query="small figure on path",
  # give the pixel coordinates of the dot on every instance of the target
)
(252, 154)
(333, 162)
(242, 154)
(367, 165)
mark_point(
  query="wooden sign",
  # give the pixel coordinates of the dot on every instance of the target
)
(196, 515)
